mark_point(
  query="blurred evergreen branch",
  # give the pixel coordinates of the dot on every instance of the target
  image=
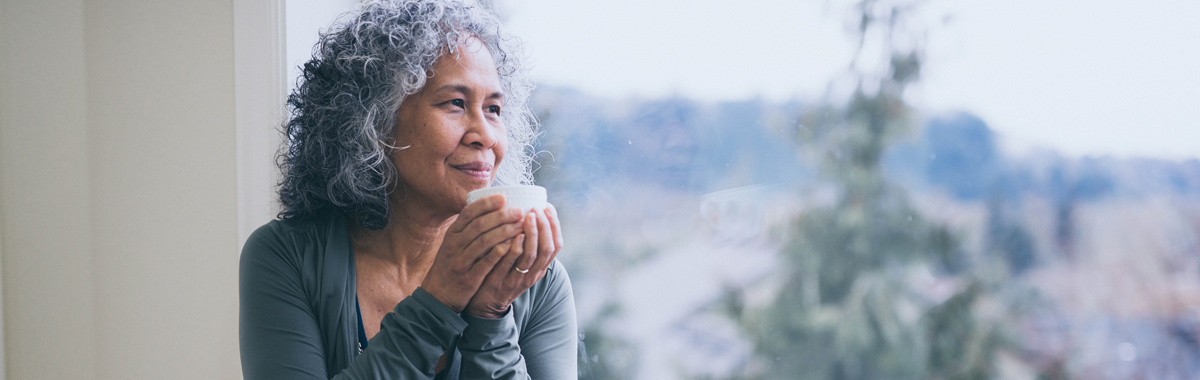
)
(847, 309)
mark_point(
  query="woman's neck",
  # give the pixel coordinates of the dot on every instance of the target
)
(409, 242)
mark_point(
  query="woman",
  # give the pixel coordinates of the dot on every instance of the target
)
(378, 269)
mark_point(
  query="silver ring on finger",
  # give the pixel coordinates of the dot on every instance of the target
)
(523, 271)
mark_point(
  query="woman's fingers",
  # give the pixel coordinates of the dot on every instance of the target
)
(532, 249)
(482, 246)
(487, 222)
(486, 263)
(528, 244)
(511, 254)
(546, 242)
(552, 214)
(546, 247)
(475, 209)
(531, 239)
(523, 259)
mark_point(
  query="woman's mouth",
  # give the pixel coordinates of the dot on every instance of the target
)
(480, 170)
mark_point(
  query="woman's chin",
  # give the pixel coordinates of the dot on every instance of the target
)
(460, 199)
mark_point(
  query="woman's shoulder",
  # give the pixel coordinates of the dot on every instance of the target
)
(549, 292)
(296, 225)
(556, 277)
(294, 240)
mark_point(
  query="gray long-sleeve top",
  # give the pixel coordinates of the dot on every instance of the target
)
(299, 319)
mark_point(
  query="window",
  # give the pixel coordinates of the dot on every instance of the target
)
(751, 191)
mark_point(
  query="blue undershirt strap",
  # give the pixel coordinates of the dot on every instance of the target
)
(362, 333)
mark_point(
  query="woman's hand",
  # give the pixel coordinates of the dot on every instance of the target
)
(466, 256)
(524, 263)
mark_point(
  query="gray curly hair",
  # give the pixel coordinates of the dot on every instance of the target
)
(343, 111)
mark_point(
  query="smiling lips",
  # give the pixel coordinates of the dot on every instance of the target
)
(478, 169)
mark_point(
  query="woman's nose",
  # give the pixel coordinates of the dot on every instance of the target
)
(481, 132)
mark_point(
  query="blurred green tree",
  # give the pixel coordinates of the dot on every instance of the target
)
(847, 308)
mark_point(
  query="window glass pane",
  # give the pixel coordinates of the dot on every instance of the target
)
(873, 189)
(304, 19)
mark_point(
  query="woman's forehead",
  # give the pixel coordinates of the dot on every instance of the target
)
(469, 65)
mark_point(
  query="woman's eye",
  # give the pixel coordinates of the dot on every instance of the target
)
(457, 103)
(494, 109)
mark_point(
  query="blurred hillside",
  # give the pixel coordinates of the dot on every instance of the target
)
(960, 155)
(677, 213)
(675, 143)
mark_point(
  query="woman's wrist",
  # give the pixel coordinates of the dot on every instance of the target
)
(490, 313)
(433, 292)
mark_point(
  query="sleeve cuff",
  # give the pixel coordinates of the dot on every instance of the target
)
(439, 310)
(491, 325)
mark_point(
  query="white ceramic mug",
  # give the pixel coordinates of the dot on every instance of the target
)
(524, 197)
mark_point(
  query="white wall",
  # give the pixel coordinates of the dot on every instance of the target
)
(48, 283)
(162, 155)
(120, 179)
(137, 144)
(259, 78)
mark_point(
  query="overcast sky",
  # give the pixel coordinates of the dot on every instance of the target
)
(1086, 77)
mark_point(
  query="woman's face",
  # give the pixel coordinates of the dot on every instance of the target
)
(454, 130)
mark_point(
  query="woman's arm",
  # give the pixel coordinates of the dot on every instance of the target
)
(551, 337)
(278, 331)
(410, 340)
(281, 339)
(550, 342)
(546, 349)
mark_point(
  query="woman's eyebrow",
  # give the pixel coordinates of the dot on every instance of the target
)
(465, 90)
(456, 88)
